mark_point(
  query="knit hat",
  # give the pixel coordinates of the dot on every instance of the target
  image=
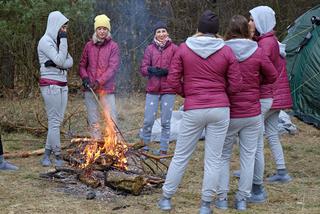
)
(208, 22)
(102, 21)
(158, 25)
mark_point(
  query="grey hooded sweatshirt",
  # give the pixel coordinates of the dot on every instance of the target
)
(204, 45)
(48, 49)
(242, 48)
(264, 19)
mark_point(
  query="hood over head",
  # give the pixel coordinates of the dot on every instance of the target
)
(55, 21)
(264, 19)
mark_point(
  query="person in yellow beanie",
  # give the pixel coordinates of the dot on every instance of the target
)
(102, 21)
(98, 67)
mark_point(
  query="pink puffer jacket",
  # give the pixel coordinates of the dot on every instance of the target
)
(205, 83)
(269, 44)
(153, 57)
(281, 92)
(254, 70)
(100, 63)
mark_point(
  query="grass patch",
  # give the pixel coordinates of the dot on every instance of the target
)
(24, 192)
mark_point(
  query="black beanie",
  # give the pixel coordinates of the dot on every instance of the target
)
(158, 25)
(208, 22)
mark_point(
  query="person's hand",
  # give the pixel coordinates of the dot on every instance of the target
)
(62, 34)
(152, 71)
(49, 63)
(86, 83)
(95, 85)
(161, 72)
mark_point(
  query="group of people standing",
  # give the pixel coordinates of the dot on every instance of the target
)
(234, 87)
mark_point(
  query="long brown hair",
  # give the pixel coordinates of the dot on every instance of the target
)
(238, 28)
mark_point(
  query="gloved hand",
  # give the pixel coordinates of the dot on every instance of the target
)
(49, 63)
(62, 34)
(161, 72)
(152, 71)
(95, 85)
(86, 83)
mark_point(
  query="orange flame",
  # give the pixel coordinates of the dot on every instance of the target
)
(112, 146)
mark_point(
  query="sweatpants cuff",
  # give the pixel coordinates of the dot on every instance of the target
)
(257, 182)
(241, 195)
(281, 166)
(206, 198)
(166, 195)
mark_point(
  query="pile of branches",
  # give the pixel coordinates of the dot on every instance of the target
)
(143, 169)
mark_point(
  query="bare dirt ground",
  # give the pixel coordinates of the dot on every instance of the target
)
(24, 192)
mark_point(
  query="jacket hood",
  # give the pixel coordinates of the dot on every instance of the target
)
(204, 46)
(242, 48)
(264, 19)
(282, 48)
(55, 21)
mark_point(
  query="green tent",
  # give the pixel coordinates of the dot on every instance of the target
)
(303, 65)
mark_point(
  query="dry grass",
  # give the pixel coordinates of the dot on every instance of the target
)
(24, 192)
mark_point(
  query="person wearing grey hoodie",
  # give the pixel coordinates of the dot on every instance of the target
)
(245, 110)
(54, 62)
(263, 20)
(204, 71)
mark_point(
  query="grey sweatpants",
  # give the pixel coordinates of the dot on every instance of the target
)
(272, 133)
(248, 130)
(259, 160)
(150, 113)
(55, 99)
(216, 122)
(93, 110)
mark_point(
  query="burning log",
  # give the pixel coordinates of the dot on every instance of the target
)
(89, 180)
(112, 162)
(131, 183)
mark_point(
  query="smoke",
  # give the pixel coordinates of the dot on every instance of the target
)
(132, 24)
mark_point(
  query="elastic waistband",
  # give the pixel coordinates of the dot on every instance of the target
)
(47, 82)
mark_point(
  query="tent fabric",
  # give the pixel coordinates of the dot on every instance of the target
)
(303, 66)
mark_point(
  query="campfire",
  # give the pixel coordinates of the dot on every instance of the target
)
(113, 148)
(109, 163)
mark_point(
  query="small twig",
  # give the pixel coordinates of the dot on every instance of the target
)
(143, 161)
(151, 181)
(156, 162)
(156, 157)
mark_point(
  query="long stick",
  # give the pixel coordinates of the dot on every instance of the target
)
(101, 106)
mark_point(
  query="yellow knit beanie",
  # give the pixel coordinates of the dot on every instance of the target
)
(102, 21)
